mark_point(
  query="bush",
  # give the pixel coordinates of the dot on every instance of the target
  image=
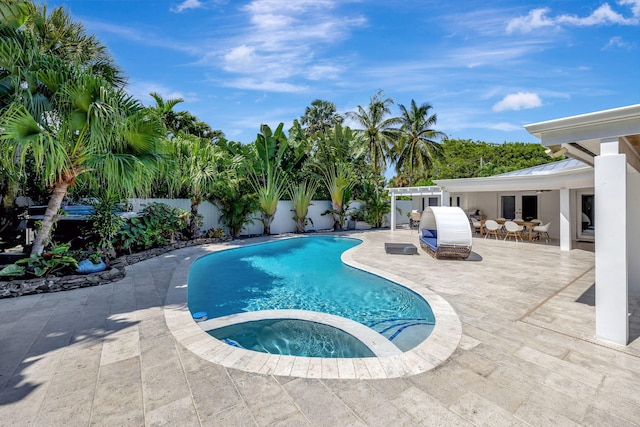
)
(104, 227)
(215, 233)
(158, 225)
(55, 261)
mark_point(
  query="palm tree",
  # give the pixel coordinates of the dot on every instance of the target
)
(193, 169)
(377, 128)
(56, 33)
(164, 110)
(29, 39)
(320, 117)
(417, 147)
(92, 131)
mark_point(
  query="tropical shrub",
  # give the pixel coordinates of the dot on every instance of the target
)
(215, 233)
(301, 196)
(105, 224)
(158, 225)
(56, 260)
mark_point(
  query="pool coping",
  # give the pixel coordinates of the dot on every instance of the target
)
(433, 351)
(375, 341)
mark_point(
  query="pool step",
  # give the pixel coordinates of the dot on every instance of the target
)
(391, 328)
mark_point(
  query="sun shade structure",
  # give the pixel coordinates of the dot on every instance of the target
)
(445, 232)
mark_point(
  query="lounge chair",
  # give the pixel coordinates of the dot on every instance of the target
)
(445, 232)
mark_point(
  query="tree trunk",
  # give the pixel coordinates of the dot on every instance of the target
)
(194, 227)
(266, 221)
(8, 211)
(43, 236)
(300, 224)
(337, 219)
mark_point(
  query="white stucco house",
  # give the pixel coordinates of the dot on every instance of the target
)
(593, 195)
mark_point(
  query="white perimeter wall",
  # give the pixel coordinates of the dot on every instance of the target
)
(283, 221)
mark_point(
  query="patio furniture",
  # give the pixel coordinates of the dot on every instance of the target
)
(414, 220)
(401, 248)
(491, 227)
(477, 226)
(513, 229)
(445, 232)
(542, 230)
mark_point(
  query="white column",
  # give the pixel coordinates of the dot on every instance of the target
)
(393, 212)
(444, 197)
(633, 233)
(565, 219)
(610, 177)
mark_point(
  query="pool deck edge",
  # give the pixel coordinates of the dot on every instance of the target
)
(433, 351)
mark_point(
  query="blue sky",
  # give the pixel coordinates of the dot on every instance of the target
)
(487, 67)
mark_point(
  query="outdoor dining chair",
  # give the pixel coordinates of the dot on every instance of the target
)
(513, 229)
(491, 227)
(542, 230)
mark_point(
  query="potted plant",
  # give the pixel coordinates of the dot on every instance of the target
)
(92, 262)
(359, 218)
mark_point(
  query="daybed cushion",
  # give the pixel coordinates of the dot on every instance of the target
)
(429, 233)
(430, 241)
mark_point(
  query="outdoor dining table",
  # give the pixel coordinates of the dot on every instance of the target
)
(528, 224)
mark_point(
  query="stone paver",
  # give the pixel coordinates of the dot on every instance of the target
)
(527, 356)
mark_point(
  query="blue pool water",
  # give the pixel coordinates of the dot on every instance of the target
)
(292, 337)
(307, 274)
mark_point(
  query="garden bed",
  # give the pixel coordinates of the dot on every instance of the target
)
(115, 272)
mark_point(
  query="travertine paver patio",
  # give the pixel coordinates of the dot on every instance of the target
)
(105, 356)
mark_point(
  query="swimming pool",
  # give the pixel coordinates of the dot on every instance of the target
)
(307, 274)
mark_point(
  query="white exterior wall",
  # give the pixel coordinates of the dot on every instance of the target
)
(489, 203)
(633, 233)
(282, 223)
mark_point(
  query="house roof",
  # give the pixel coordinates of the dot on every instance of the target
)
(547, 168)
(568, 173)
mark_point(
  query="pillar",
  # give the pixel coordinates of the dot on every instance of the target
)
(565, 219)
(444, 197)
(393, 212)
(610, 177)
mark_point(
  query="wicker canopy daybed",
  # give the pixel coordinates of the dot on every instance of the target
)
(445, 232)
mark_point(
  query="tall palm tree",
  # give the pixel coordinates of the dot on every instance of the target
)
(378, 128)
(92, 131)
(417, 147)
(164, 109)
(29, 38)
(56, 33)
(193, 170)
(320, 117)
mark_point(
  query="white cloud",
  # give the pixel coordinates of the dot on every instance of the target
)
(187, 4)
(618, 42)
(141, 90)
(634, 4)
(285, 42)
(266, 85)
(535, 19)
(504, 126)
(518, 101)
(603, 15)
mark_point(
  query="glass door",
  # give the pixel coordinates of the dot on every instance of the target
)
(508, 207)
(529, 207)
(587, 218)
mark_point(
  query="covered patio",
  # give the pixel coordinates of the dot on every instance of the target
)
(610, 141)
(602, 172)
